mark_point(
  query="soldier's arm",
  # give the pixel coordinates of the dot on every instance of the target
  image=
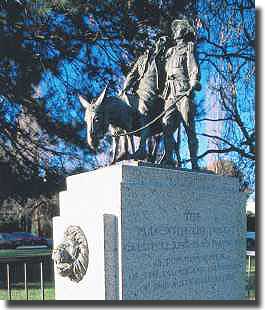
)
(193, 68)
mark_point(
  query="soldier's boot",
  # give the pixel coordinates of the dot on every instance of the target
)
(177, 149)
(193, 145)
(194, 161)
(167, 158)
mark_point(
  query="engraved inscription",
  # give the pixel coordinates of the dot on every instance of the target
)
(188, 253)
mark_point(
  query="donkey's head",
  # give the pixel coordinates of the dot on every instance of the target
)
(95, 117)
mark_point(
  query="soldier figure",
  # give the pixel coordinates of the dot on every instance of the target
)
(181, 78)
(147, 78)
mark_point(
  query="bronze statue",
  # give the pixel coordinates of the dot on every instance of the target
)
(161, 84)
(129, 112)
(182, 75)
(146, 79)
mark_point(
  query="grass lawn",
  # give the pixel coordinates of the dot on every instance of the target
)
(34, 293)
(251, 287)
(251, 278)
(25, 252)
(17, 289)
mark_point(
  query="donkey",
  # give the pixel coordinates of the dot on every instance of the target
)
(120, 116)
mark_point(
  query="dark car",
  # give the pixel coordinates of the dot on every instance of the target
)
(50, 243)
(25, 238)
(6, 241)
(250, 235)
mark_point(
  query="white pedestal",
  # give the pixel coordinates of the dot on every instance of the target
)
(155, 234)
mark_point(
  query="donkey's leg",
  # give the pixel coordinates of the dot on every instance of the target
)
(115, 147)
(123, 153)
(126, 146)
(141, 153)
(132, 144)
(130, 127)
(151, 146)
(156, 148)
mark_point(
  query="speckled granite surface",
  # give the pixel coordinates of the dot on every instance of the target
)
(178, 235)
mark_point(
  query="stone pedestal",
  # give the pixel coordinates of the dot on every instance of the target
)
(155, 234)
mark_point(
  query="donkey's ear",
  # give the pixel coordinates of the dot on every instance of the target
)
(83, 101)
(101, 97)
